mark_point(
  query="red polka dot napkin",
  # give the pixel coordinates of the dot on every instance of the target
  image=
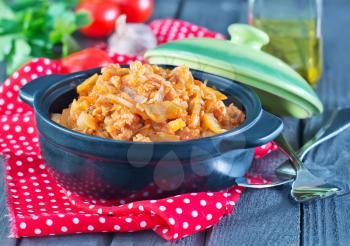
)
(39, 206)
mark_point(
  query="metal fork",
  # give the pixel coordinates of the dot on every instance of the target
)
(334, 122)
(306, 185)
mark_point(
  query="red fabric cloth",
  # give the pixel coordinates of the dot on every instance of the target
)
(39, 206)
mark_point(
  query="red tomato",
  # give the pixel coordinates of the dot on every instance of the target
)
(104, 15)
(85, 59)
(136, 10)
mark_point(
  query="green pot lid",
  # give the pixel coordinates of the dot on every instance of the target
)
(281, 89)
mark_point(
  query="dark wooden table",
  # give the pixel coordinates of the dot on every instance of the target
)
(262, 217)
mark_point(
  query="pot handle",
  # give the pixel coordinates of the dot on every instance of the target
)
(27, 92)
(266, 129)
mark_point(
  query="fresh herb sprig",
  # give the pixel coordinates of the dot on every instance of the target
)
(38, 28)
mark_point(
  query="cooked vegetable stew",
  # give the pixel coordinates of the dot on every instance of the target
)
(147, 103)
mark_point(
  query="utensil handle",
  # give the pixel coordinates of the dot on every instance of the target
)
(282, 142)
(27, 92)
(266, 129)
(339, 122)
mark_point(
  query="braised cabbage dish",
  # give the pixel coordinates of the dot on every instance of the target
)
(147, 103)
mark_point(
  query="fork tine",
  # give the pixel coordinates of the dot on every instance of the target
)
(306, 185)
(310, 193)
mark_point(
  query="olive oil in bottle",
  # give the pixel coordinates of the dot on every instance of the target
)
(297, 43)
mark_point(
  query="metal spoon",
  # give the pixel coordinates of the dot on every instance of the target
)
(336, 121)
(306, 186)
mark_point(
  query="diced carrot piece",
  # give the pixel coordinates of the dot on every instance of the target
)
(177, 124)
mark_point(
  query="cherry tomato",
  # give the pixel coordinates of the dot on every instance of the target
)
(85, 59)
(104, 15)
(136, 10)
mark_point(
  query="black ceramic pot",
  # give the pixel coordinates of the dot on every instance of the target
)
(110, 169)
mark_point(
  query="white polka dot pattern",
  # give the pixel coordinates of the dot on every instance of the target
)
(168, 30)
(40, 205)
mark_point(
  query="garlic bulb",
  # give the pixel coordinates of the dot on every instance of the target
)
(131, 38)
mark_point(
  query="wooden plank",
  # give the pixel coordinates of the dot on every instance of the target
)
(327, 222)
(98, 239)
(150, 238)
(262, 217)
(4, 217)
(215, 15)
(166, 9)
